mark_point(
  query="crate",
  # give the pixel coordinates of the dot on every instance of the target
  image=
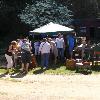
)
(70, 63)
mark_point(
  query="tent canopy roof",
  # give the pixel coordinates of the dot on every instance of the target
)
(52, 27)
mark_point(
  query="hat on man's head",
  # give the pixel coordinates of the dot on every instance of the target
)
(13, 42)
(44, 39)
(24, 40)
(59, 34)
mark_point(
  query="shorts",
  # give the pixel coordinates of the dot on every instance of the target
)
(26, 56)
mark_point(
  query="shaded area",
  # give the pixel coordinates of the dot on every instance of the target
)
(3, 75)
(10, 25)
(18, 75)
(39, 71)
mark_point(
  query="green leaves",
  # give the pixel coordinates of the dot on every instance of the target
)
(43, 12)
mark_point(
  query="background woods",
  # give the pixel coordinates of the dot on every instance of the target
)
(20, 16)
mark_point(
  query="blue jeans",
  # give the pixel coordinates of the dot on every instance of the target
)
(60, 54)
(45, 60)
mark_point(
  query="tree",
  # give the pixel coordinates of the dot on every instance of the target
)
(85, 8)
(45, 11)
(10, 25)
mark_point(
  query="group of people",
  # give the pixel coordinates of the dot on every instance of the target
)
(20, 47)
(50, 50)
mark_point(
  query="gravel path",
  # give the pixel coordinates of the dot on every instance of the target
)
(51, 87)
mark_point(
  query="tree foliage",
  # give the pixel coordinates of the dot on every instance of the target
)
(40, 12)
(85, 8)
(45, 11)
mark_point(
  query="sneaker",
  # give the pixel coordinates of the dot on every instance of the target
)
(46, 68)
(8, 75)
(25, 72)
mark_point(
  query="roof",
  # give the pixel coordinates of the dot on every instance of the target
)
(52, 27)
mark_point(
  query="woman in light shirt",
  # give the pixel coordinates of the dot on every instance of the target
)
(45, 52)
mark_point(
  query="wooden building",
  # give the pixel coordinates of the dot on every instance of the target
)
(88, 27)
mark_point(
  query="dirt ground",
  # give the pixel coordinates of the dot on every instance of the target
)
(50, 87)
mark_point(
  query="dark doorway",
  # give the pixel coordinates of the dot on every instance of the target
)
(92, 32)
(97, 35)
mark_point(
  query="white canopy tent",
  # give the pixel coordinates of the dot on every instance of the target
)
(51, 27)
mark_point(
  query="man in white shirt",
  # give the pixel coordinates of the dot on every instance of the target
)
(45, 52)
(60, 46)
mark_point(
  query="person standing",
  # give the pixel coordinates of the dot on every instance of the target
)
(9, 55)
(71, 44)
(25, 55)
(54, 51)
(36, 46)
(60, 46)
(44, 49)
(15, 53)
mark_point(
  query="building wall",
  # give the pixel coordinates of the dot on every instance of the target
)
(88, 27)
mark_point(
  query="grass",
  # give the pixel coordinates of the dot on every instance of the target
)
(2, 70)
(58, 70)
(54, 71)
(61, 69)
